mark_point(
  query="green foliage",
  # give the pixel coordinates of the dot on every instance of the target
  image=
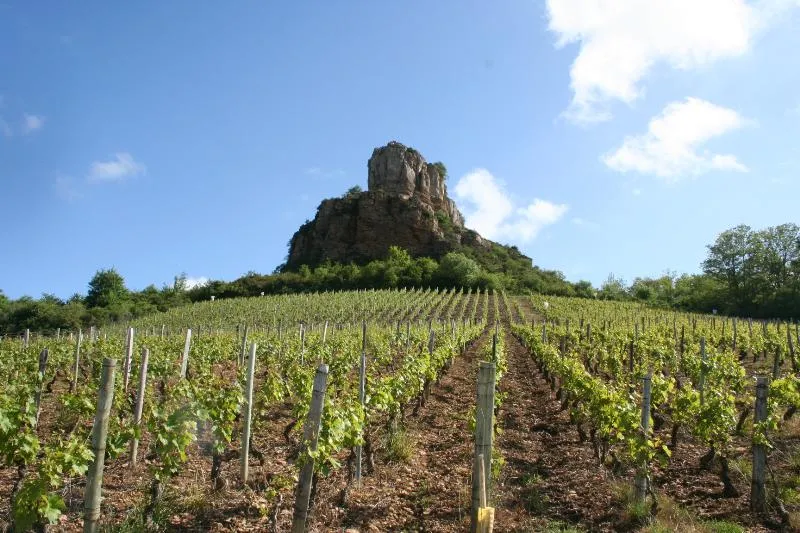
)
(173, 428)
(441, 169)
(444, 221)
(458, 270)
(399, 446)
(720, 526)
(353, 192)
(219, 403)
(38, 501)
(106, 289)
(759, 271)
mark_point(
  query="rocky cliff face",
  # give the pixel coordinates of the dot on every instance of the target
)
(406, 205)
(398, 170)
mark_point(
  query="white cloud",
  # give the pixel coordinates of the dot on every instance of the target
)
(191, 283)
(636, 192)
(31, 123)
(622, 40)
(5, 128)
(490, 205)
(121, 167)
(491, 212)
(670, 148)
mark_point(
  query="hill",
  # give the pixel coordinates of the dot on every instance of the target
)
(407, 206)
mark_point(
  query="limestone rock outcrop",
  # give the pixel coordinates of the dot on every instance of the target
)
(406, 205)
(402, 171)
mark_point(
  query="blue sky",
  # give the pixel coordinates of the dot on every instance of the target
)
(161, 137)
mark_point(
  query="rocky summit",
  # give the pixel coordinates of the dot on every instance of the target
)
(406, 205)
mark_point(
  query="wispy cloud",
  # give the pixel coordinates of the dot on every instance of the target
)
(318, 172)
(65, 188)
(671, 147)
(121, 167)
(31, 123)
(491, 212)
(5, 129)
(584, 224)
(622, 40)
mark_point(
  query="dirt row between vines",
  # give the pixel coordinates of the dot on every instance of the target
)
(431, 489)
(547, 477)
(556, 479)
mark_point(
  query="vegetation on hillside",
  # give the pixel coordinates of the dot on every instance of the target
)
(746, 273)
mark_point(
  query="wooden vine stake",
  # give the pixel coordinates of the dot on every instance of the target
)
(243, 350)
(701, 385)
(640, 485)
(247, 414)
(484, 426)
(758, 495)
(76, 366)
(94, 477)
(185, 357)
(137, 412)
(362, 394)
(302, 343)
(776, 364)
(485, 513)
(126, 367)
(43, 355)
(310, 437)
(26, 340)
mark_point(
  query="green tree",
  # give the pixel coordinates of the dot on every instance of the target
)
(180, 284)
(780, 254)
(584, 289)
(398, 256)
(458, 270)
(731, 261)
(700, 293)
(353, 192)
(106, 289)
(612, 289)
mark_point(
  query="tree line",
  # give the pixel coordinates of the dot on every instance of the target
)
(746, 273)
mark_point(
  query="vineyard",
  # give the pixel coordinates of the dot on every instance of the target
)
(370, 411)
